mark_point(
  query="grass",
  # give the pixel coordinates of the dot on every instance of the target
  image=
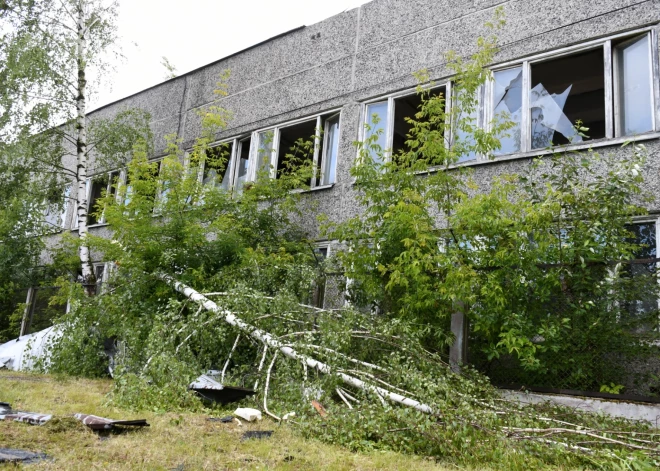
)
(173, 441)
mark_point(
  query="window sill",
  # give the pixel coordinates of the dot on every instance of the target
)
(541, 152)
(569, 148)
(316, 188)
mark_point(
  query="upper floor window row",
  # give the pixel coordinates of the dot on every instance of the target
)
(610, 86)
(235, 162)
(276, 151)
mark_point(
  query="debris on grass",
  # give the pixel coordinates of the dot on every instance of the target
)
(8, 455)
(224, 420)
(211, 390)
(248, 414)
(258, 434)
(320, 409)
(101, 423)
(26, 417)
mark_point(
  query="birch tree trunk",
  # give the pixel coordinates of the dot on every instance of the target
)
(81, 150)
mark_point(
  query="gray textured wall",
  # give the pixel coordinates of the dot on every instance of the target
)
(370, 51)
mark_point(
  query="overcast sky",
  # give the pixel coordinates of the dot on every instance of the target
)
(193, 33)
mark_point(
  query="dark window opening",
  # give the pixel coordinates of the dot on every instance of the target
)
(99, 186)
(114, 183)
(405, 108)
(296, 147)
(564, 91)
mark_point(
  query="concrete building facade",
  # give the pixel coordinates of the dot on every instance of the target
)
(596, 61)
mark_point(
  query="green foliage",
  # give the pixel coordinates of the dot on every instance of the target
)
(536, 261)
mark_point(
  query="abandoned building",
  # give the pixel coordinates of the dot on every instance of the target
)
(558, 61)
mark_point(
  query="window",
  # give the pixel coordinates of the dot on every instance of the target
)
(99, 272)
(605, 84)
(327, 173)
(242, 163)
(507, 104)
(642, 271)
(388, 121)
(97, 187)
(226, 165)
(216, 166)
(55, 212)
(633, 81)
(285, 149)
(317, 296)
(563, 91)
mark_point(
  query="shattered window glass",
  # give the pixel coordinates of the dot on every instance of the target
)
(507, 105)
(633, 61)
(566, 90)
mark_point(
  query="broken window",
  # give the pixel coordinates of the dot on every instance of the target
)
(404, 108)
(610, 93)
(507, 106)
(633, 86)
(564, 91)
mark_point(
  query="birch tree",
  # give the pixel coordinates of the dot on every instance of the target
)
(53, 55)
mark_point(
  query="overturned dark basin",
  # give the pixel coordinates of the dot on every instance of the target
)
(211, 390)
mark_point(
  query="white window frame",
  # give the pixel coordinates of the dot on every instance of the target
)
(365, 118)
(319, 153)
(611, 102)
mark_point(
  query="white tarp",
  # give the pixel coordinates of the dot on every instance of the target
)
(20, 354)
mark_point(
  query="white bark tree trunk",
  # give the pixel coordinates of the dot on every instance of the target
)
(81, 150)
(267, 339)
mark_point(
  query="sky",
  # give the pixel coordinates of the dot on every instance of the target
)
(193, 33)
